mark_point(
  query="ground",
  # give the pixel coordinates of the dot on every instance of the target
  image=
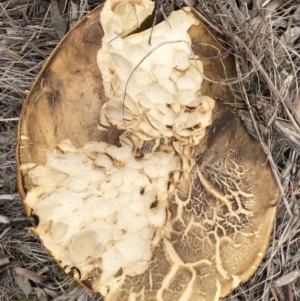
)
(263, 36)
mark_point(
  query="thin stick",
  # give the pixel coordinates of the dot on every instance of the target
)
(274, 293)
(9, 119)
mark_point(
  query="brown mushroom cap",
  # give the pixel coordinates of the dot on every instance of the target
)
(220, 218)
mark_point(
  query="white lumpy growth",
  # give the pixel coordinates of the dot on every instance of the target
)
(154, 90)
(108, 221)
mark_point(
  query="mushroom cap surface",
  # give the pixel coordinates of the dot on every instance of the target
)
(219, 219)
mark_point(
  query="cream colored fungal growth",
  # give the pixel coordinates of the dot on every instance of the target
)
(154, 90)
(100, 209)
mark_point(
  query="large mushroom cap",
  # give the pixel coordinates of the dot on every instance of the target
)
(198, 242)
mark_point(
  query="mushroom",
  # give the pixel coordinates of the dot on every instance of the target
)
(170, 204)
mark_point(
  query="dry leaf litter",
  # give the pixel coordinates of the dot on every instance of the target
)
(263, 36)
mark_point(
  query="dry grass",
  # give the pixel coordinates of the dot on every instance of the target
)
(264, 37)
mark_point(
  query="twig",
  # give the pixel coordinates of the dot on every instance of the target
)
(273, 293)
(290, 292)
(9, 119)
